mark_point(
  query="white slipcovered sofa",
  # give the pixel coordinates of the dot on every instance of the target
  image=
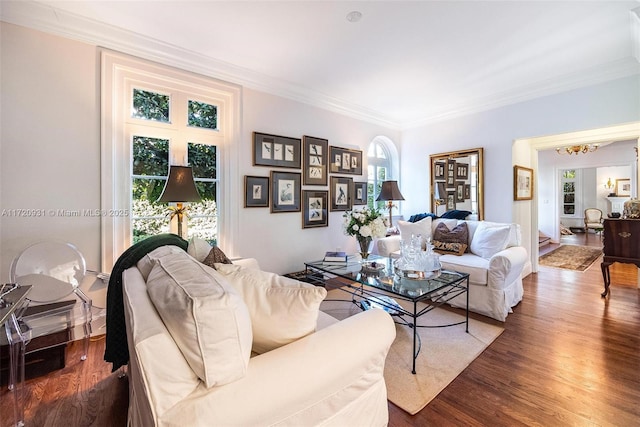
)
(332, 376)
(494, 260)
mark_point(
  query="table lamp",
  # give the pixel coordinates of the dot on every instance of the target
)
(390, 192)
(178, 189)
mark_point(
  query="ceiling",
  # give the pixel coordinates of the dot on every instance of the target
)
(402, 64)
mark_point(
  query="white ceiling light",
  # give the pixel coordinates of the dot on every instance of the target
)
(354, 16)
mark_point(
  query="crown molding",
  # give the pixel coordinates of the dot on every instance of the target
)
(47, 19)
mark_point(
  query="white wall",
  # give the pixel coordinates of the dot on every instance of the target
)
(49, 145)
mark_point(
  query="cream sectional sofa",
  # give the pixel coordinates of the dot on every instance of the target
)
(332, 376)
(494, 263)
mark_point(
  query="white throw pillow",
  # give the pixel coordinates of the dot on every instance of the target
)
(282, 309)
(205, 316)
(489, 240)
(422, 228)
(146, 263)
(198, 248)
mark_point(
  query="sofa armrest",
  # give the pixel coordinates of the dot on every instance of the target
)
(506, 266)
(284, 385)
(388, 245)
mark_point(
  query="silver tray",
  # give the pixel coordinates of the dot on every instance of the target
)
(418, 274)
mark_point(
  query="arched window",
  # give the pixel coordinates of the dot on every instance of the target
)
(382, 159)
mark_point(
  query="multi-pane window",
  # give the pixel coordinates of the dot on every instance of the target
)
(182, 122)
(378, 171)
(569, 184)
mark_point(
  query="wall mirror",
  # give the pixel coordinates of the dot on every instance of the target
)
(456, 182)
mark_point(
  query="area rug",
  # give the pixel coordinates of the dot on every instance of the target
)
(445, 352)
(571, 257)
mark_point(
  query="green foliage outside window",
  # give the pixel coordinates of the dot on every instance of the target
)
(203, 115)
(150, 106)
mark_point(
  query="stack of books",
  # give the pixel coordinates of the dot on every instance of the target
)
(335, 258)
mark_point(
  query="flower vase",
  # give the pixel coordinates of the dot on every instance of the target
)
(364, 243)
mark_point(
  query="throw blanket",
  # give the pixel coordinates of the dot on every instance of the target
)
(117, 351)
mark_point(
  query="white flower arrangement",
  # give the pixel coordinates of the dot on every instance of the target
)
(365, 223)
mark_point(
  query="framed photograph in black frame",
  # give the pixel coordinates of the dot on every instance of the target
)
(315, 212)
(344, 160)
(459, 191)
(359, 193)
(274, 150)
(285, 191)
(256, 191)
(341, 197)
(438, 172)
(314, 162)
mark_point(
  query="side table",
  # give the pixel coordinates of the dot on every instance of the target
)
(12, 303)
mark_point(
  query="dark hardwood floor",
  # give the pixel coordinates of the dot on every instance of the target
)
(566, 357)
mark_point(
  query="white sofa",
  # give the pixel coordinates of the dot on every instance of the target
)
(495, 279)
(332, 377)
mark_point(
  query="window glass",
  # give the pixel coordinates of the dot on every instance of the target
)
(202, 115)
(377, 172)
(150, 169)
(150, 106)
(569, 184)
(203, 216)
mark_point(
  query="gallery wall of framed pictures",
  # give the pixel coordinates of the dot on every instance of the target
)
(309, 161)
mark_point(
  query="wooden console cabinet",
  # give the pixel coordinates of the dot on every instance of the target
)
(621, 240)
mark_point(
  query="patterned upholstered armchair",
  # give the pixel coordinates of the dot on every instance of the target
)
(592, 219)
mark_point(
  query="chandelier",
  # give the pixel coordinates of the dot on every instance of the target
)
(575, 149)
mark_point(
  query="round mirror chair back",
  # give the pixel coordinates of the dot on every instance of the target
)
(54, 269)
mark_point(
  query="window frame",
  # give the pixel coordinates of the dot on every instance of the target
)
(119, 74)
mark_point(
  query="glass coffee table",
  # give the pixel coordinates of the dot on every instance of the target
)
(373, 284)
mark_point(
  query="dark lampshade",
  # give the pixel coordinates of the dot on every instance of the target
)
(390, 191)
(180, 186)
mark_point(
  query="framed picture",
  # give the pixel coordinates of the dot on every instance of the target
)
(462, 171)
(438, 172)
(451, 173)
(522, 183)
(285, 191)
(256, 191)
(315, 211)
(314, 163)
(344, 160)
(451, 200)
(467, 191)
(460, 191)
(359, 193)
(623, 187)
(274, 150)
(341, 197)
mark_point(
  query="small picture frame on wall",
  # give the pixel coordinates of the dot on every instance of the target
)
(344, 160)
(462, 171)
(359, 193)
(467, 191)
(522, 183)
(460, 192)
(451, 200)
(314, 165)
(256, 191)
(274, 150)
(315, 211)
(623, 187)
(285, 191)
(438, 172)
(341, 198)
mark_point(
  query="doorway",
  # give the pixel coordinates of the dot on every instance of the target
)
(525, 153)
